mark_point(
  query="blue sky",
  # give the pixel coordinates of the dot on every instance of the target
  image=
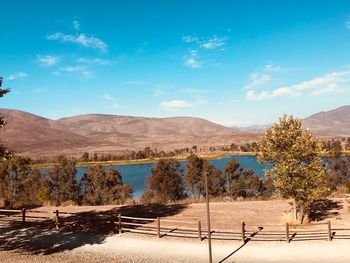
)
(231, 62)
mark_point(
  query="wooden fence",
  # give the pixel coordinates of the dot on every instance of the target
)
(193, 229)
(161, 227)
(24, 216)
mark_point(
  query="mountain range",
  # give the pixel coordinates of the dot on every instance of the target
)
(33, 135)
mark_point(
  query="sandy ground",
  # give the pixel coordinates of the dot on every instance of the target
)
(96, 243)
(128, 248)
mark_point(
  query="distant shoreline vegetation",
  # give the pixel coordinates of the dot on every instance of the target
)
(207, 156)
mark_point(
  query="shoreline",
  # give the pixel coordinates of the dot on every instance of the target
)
(207, 156)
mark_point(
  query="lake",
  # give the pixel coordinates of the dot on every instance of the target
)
(135, 174)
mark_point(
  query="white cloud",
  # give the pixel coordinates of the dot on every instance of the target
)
(325, 79)
(47, 60)
(198, 45)
(270, 67)
(75, 69)
(191, 61)
(257, 79)
(81, 39)
(111, 99)
(175, 104)
(251, 95)
(190, 39)
(213, 43)
(332, 88)
(71, 69)
(76, 25)
(210, 43)
(108, 97)
(17, 75)
(96, 61)
(327, 83)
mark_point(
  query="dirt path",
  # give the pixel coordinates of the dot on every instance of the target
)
(128, 248)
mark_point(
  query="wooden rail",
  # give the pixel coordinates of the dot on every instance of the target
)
(161, 227)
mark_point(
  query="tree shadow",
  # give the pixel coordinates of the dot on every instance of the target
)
(323, 209)
(75, 230)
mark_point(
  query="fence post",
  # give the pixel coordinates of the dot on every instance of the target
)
(287, 233)
(23, 216)
(329, 231)
(158, 227)
(57, 219)
(120, 223)
(243, 232)
(199, 230)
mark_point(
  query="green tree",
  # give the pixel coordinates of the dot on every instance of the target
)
(5, 154)
(295, 156)
(194, 174)
(195, 181)
(102, 188)
(165, 184)
(232, 173)
(85, 157)
(63, 184)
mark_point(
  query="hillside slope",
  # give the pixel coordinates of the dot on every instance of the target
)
(30, 134)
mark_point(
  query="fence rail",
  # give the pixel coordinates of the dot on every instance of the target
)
(161, 227)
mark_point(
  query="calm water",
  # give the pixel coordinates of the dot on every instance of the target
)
(135, 174)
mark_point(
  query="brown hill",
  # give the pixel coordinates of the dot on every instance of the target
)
(334, 123)
(30, 134)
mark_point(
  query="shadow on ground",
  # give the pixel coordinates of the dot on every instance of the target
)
(76, 230)
(324, 209)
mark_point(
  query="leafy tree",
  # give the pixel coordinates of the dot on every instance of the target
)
(102, 188)
(232, 173)
(20, 186)
(165, 184)
(246, 185)
(62, 181)
(216, 181)
(5, 154)
(35, 189)
(296, 163)
(85, 157)
(194, 174)
(196, 169)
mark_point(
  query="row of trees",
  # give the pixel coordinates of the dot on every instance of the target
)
(169, 183)
(22, 186)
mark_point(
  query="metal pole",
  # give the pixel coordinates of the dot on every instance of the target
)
(208, 216)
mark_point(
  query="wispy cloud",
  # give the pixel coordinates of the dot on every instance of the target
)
(347, 23)
(76, 25)
(17, 75)
(327, 83)
(175, 104)
(257, 79)
(206, 43)
(253, 96)
(191, 60)
(112, 100)
(47, 60)
(96, 61)
(213, 43)
(86, 73)
(80, 39)
(270, 67)
(198, 46)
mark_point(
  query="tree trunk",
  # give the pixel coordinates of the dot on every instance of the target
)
(302, 215)
(295, 210)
